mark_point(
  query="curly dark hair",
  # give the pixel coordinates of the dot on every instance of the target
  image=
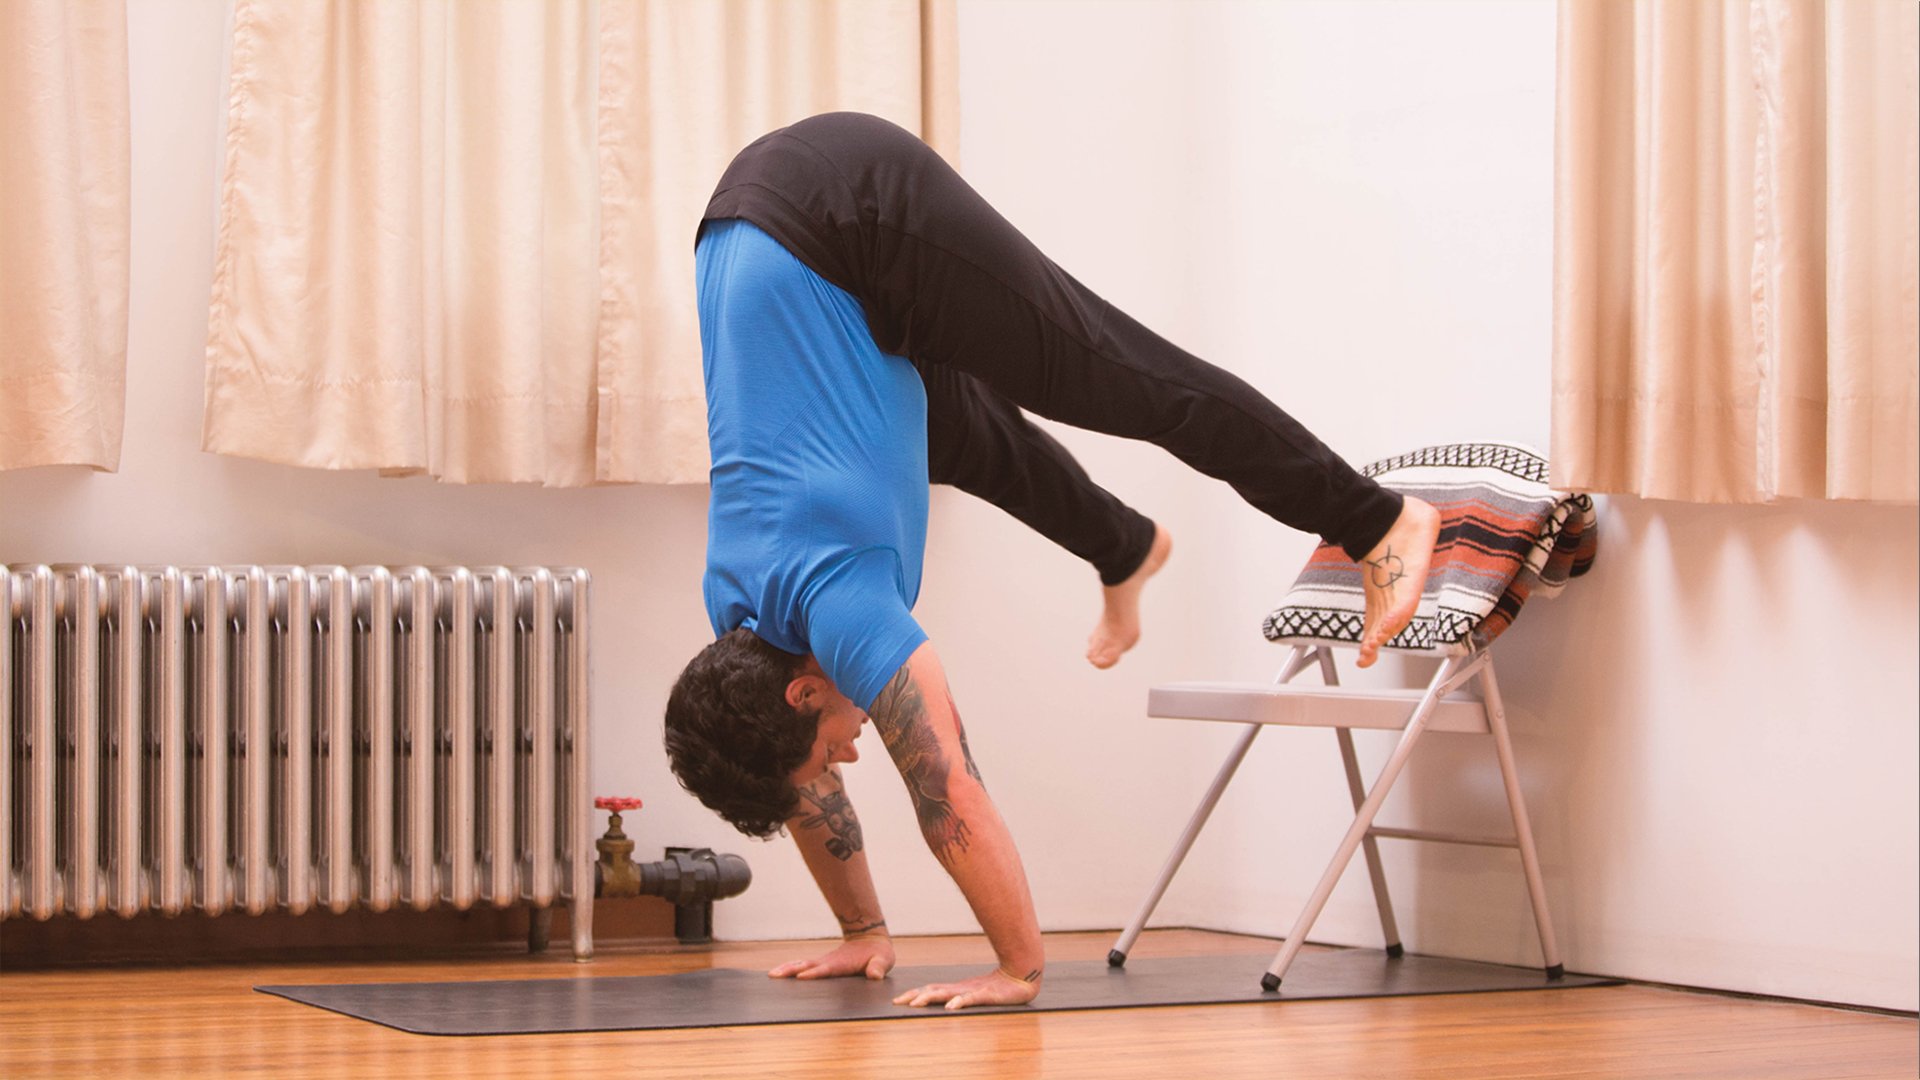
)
(731, 737)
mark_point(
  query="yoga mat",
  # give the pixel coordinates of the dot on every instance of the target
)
(728, 997)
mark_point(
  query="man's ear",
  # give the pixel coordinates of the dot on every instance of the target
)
(812, 680)
(801, 689)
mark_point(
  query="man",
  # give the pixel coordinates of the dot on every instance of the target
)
(869, 325)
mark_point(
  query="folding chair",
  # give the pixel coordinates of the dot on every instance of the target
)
(1548, 537)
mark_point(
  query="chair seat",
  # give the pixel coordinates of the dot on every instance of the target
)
(1311, 706)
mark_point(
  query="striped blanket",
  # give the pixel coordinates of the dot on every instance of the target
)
(1504, 536)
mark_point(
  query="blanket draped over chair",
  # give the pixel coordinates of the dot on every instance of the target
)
(1504, 536)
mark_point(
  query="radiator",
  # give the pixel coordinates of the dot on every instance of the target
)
(228, 739)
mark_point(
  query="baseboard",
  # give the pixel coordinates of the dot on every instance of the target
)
(152, 938)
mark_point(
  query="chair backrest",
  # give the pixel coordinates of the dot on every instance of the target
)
(1504, 536)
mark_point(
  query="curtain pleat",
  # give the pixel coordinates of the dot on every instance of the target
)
(405, 277)
(1734, 286)
(64, 225)
(457, 238)
(1873, 317)
(683, 87)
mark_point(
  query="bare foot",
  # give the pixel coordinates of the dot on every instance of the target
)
(1395, 572)
(1119, 626)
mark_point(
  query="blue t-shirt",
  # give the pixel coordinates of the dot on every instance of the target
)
(818, 519)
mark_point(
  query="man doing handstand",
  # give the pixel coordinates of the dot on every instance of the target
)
(869, 325)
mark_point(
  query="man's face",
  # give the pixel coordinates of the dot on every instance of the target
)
(841, 722)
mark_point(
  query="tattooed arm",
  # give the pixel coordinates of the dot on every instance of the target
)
(917, 718)
(828, 835)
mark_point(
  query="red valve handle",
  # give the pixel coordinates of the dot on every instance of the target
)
(616, 803)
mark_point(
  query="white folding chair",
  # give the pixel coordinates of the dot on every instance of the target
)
(1490, 487)
(1440, 707)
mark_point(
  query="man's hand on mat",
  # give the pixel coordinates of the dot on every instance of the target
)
(994, 988)
(869, 954)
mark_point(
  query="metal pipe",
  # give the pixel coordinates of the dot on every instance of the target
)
(535, 589)
(457, 728)
(296, 712)
(418, 741)
(83, 792)
(690, 879)
(335, 621)
(41, 754)
(209, 722)
(170, 729)
(578, 770)
(256, 737)
(373, 626)
(499, 619)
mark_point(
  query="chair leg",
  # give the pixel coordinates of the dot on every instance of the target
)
(1522, 827)
(1117, 956)
(1369, 847)
(1362, 821)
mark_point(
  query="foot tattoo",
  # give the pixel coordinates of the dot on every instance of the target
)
(1387, 570)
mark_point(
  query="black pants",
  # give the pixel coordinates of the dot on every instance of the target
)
(993, 326)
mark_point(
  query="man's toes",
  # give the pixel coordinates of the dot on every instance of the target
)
(1101, 654)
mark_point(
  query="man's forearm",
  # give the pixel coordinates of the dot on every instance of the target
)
(921, 726)
(988, 870)
(828, 834)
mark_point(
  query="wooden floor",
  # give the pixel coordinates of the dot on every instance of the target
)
(206, 1021)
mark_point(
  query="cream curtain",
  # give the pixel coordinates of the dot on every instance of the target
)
(63, 231)
(684, 85)
(458, 237)
(1737, 249)
(406, 271)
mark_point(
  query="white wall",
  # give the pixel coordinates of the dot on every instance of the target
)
(1349, 206)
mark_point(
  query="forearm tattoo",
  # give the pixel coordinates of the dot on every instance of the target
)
(833, 812)
(901, 715)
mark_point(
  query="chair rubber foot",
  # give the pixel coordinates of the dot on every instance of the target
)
(1116, 958)
(1557, 971)
(1269, 982)
(1395, 951)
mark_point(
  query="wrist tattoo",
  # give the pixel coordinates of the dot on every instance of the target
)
(901, 715)
(862, 928)
(834, 812)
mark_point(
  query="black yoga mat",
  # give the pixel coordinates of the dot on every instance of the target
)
(727, 997)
